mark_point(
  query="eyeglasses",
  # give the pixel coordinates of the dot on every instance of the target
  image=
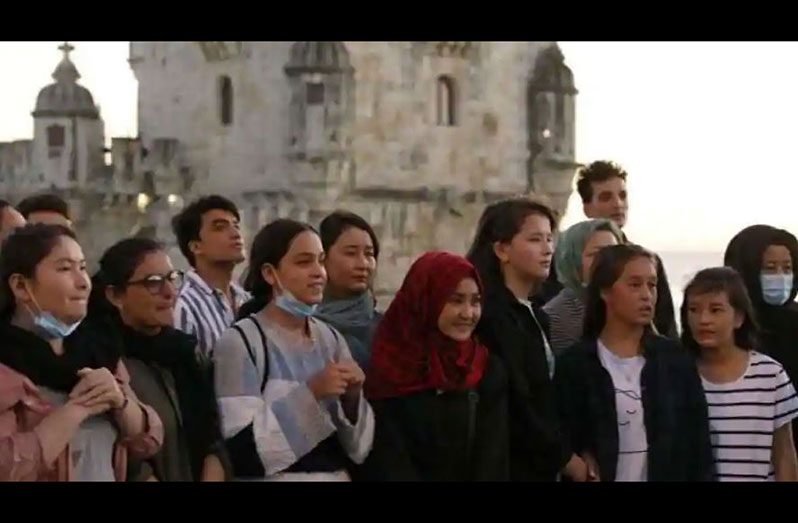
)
(156, 282)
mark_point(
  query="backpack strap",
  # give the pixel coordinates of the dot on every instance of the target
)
(334, 331)
(251, 350)
(265, 353)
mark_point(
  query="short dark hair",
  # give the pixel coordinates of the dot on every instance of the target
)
(729, 281)
(22, 252)
(598, 171)
(44, 202)
(500, 222)
(607, 268)
(3, 205)
(269, 246)
(337, 222)
(117, 265)
(187, 224)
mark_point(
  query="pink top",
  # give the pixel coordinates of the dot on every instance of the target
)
(21, 451)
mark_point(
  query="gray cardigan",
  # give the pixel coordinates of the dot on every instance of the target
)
(155, 386)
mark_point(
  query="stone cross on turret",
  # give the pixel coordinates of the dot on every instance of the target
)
(66, 48)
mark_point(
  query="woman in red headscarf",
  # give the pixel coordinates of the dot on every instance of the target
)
(439, 398)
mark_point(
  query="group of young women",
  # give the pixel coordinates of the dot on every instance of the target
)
(464, 376)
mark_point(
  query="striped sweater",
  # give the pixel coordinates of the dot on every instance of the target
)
(566, 319)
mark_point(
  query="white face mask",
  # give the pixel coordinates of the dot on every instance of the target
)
(776, 288)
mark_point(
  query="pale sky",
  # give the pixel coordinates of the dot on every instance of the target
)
(705, 129)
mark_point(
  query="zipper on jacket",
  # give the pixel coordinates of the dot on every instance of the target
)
(473, 402)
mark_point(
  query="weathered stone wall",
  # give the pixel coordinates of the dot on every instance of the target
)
(422, 184)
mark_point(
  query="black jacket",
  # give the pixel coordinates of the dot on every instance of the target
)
(778, 338)
(778, 335)
(537, 450)
(452, 436)
(675, 410)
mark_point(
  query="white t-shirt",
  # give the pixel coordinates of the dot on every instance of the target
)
(546, 345)
(92, 446)
(743, 416)
(632, 441)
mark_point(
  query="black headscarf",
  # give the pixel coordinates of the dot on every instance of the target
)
(744, 254)
(778, 335)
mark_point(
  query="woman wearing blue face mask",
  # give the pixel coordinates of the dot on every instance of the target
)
(67, 411)
(289, 392)
(766, 257)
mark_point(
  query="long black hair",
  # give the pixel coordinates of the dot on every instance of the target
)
(728, 281)
(608, 266)
(500, 222)
(117, 266)
(21, 253)
(269, 247)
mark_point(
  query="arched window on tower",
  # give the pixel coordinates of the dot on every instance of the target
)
(315, 123)
(315, 93)
(226, 100)
(446, 102)
(55, 136)
(55, 140)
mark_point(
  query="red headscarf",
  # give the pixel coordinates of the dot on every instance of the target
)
(409, 352)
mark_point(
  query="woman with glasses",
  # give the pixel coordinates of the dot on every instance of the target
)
(131, 310)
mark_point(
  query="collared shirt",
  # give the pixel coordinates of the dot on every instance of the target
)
(205, 312)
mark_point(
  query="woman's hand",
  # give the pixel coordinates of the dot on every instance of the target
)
(97, 387)
(576, 469)
(354, 377)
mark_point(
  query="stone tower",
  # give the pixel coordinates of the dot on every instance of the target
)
(414, 136)
(68, 132)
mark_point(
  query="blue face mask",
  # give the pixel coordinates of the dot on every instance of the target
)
(288, 302)
(776, 288)
(291, 305)
(48, 326)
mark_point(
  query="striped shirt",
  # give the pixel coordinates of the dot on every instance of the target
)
(744, 414)
(566, 313)
(205, 312)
